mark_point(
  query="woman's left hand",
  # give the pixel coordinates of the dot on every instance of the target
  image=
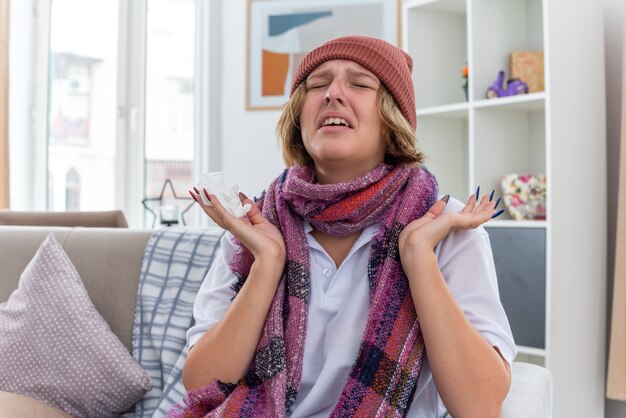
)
(427, 231)
(472, 378)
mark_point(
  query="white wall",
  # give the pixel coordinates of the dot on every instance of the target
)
(250, 152)
(613, 29)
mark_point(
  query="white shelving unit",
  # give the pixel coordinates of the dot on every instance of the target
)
(462, 137)
(471, 141)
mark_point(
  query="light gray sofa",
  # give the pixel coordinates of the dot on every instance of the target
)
(94, 219)
(109, 262)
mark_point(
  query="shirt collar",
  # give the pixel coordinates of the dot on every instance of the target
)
(366, 235)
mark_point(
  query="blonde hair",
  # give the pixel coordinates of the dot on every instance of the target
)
(400, 138)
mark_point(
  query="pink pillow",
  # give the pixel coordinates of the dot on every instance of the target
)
(56, 347)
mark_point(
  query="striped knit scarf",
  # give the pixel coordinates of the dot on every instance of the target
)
(384, 375)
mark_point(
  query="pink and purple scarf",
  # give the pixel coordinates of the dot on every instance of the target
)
(384, 375)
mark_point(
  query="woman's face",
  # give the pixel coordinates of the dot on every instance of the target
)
(340, 124)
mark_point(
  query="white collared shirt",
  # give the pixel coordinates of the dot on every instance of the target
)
(339, 307)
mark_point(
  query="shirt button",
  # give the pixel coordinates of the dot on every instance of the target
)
(326, 272)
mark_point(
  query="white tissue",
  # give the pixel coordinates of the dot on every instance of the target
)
(216, 183)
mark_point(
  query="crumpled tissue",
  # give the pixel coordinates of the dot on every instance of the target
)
(218, 184)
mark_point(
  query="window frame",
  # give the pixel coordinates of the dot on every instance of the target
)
(130, 105)
(131, 67)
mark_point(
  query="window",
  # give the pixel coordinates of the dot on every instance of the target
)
(97, 114)
(72, 190)
(82, 104)
(50, 189)
(170, 61)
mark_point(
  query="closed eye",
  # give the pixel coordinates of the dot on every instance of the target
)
(315, 86)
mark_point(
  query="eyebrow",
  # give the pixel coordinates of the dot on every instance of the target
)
(350, 71)
(318, 74)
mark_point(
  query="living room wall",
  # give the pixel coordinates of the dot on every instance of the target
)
(250, 151)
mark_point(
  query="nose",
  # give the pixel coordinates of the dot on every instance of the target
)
(334, 92)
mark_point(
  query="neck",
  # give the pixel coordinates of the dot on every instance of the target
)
(340, 172)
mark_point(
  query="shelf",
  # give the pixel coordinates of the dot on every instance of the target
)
(508, 139)
(443, 6)
(437, 42)
(533, 102)
(524, 102)
(499, 28)
(510, 223)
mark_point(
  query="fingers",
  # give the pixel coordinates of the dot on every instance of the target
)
(214, 209)
(437, 208)
(486, 211)
(254, 214)
(195, 195)
(220, 215)
(476, 212)
(498, 213)
(213, 200)
(470, 205)
(484, 203)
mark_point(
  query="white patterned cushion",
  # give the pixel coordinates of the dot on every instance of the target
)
(57, 349)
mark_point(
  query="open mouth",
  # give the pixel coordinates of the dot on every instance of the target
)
(335, 122)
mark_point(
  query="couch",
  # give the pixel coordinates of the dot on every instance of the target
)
(109, 261)
(94, 219)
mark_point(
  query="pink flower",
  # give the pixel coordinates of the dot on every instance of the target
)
(516, 201)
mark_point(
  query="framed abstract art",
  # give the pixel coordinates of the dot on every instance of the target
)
(281, 32)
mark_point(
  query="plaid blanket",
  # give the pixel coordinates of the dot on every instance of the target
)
(175, 262)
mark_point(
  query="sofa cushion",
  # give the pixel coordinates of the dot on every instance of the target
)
(56, 348)
(530, 395)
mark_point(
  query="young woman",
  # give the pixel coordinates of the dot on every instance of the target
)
(350, 288)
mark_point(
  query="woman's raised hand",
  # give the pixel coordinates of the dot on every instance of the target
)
(253, 230)
(427, 231)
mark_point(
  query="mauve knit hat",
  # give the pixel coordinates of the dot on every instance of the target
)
(389, 63)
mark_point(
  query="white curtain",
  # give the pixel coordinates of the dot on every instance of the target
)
(616, 380)
(4, 103)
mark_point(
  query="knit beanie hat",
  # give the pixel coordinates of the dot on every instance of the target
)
(389, 63)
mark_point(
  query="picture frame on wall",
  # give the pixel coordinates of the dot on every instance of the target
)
(282, 32)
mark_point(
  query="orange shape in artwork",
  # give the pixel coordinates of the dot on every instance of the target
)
(275, 68)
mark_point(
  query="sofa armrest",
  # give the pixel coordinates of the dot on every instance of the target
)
(531, 392)
(93, 219)
(13, 405)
